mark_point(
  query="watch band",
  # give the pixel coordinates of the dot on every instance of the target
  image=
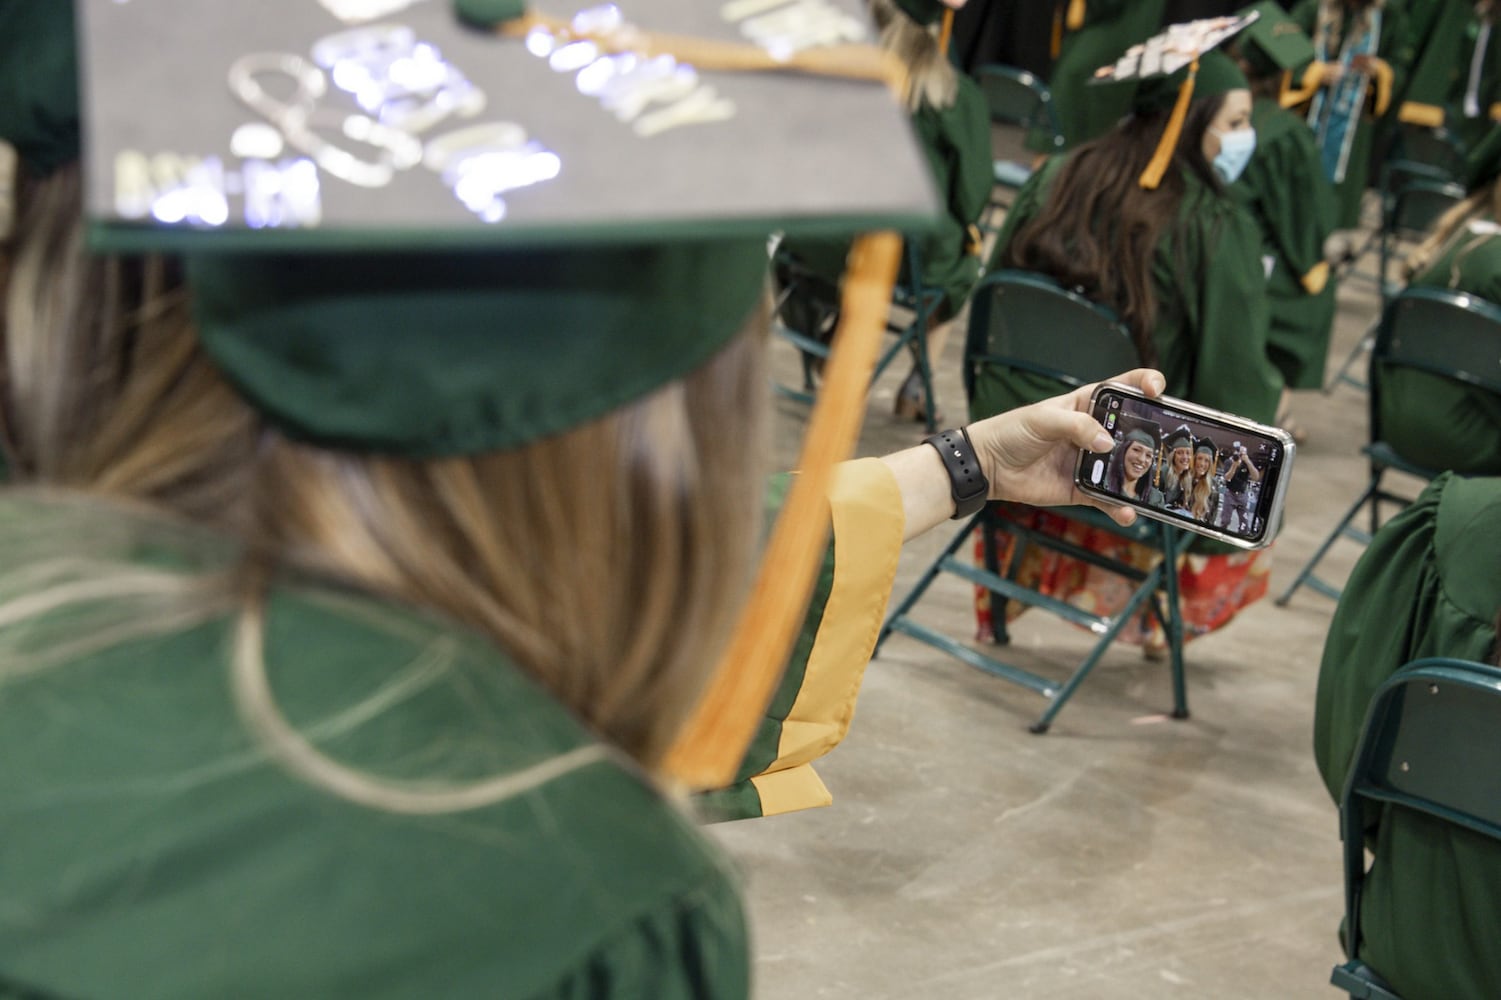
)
(967, 483)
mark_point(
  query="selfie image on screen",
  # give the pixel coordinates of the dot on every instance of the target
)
(1216, 475)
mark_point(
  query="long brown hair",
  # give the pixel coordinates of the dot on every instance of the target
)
(1099, 230)
(607, 561)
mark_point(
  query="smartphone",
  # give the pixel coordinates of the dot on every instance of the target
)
(1203, 470)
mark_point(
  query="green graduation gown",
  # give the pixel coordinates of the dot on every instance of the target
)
(1427, 586)
(1292, 201)
(1440, 78)
(1395, 46)
(1110, 27)
(1211, 332)
(152, 849)
(1439, 422)
(956, 141)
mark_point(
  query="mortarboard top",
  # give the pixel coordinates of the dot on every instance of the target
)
(1274, 43)
(1205, 444)
(1173, 67)
(1181, 437)
(1148, 432)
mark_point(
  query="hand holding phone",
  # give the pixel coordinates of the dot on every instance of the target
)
(1200, 469)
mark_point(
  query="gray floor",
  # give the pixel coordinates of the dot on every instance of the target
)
(1123, 854)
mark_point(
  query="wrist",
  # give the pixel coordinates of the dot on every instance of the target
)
(969, 487)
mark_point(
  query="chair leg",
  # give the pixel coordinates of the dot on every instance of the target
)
(1366, 345)
(1306, 573)
(1130, 611)
(998, 602)
(1172, 624)
(925, 581)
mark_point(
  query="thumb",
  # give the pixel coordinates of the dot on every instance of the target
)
(1053, 425)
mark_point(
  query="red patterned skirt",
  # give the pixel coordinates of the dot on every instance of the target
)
(1212, 588)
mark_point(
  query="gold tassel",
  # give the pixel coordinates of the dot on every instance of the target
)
(1313, 77)
(1168, 144)
(1055, 46)
(1383, 72)
(708, 752)
(946, 31)
(1075, 15)
(1317, 277)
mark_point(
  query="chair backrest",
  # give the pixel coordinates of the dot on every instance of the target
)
(1024, 320)
(1018, 98)
(1434, 152)
(1429, 743)
(1419, 203)
(1443, 332)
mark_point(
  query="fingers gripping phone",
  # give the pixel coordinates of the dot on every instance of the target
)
(1199, 469)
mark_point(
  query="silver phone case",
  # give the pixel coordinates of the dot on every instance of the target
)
(1227, 420)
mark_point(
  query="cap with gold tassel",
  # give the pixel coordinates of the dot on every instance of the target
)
(1174, 68)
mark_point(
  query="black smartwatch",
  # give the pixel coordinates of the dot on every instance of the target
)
(967, 483)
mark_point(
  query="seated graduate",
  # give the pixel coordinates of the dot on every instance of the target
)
(1441, 422)
(353, 635)
(1142, 221)
(1426, 586)
(1292, 200)
(952, 121)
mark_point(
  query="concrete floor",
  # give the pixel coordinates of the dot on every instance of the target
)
(1123, 854)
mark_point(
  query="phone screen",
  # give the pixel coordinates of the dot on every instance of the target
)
(1195, 469)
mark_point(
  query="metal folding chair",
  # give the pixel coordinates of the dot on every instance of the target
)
(1028, 322)
(1428, 739)
(1434, 330)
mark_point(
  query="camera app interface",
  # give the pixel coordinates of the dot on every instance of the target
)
(1203, 472)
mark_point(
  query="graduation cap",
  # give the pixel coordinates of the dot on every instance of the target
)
(1276, 44)
(1140, 430)
(1205, 444)
(1181, 437)
(427, 229)
(1174, 67)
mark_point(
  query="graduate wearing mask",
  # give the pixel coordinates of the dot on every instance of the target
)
(1142, 220)
(1291, 199)
(378, 565)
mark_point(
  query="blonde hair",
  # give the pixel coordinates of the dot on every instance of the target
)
(1486, 201)
(607, 561)
(931, 78)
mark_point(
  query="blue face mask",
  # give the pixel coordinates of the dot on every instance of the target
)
(1235, 152)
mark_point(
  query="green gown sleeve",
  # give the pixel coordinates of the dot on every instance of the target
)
(1426, 586)
(813, 706)
(1211, 333)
